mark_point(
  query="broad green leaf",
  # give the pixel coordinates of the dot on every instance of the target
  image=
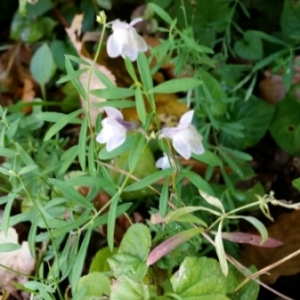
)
(42, 64)
(199, 278)
(212, 201)
(54, 116)
(140, 105)
(113, 93)
(99, 262)
(164, 198)
(145, 72)
(162, 13)
(127, 289)
(250, 48)
(176, 215)
(80, 259)
(176, 85)
(290, 17)
(76, 82)
(8, 247)
(89, 181)
(82, 143)
(126, 146)
(111, 220)
(130, 69)
(149, 180)
(196, 180)
(5, 152)
(97, 284)
(27, 169)
(72, 76)
(55, 128)
(209, 158)
(255, 116)
(285, 127)
(104, 79)
(77, 60)
(296, 183)
(71, 193)
(132, 254)
(136, 151)
(68, 158)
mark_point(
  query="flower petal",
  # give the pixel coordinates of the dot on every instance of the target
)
(198, 148)
(113, 47)
(130, 52)
(182, 148)
(187, 118)
(113, 112)
(115, 142)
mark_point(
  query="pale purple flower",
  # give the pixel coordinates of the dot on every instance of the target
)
(125, 41)
(185, 138)
(114, 129)
(164, 162)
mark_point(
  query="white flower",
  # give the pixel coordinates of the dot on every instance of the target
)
(186, 139)
(18, 260)
(114, 129)
(164, 162)
(125, 41)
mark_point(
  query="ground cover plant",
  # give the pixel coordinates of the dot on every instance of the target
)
(149, 150)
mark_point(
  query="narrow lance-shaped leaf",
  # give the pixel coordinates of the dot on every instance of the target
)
(170, 244)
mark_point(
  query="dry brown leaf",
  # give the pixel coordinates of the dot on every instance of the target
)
(28, 94)
(285, 229)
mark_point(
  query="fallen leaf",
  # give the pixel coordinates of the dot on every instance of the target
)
(285, 229)
(28, 94)
(18, 260)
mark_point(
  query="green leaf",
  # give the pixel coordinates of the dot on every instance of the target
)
(176, 85)
(255, 116)
(113, 93)
(145, 72)
(285, 127)
(54, 116)
(8, 247)
(162, 13)
(290, 17)
(296, 183)
(140, 105)
(149, 180)
(132, 254)
(135, 153)
(5, 152)
(27, 169)
(209, 158)
(42, 64)
(213, 201)
(82, 143)
(99, 262)
(71, 193)
(164, 198)
(127, 289)
(199, 278)
(197, 181)
(220, 250)
(130, 69)
(72, 76)
(97, 284)
(80, 259)
(55, 128)
(250, 48)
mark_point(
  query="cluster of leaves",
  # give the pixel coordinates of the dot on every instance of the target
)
(199, 40)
